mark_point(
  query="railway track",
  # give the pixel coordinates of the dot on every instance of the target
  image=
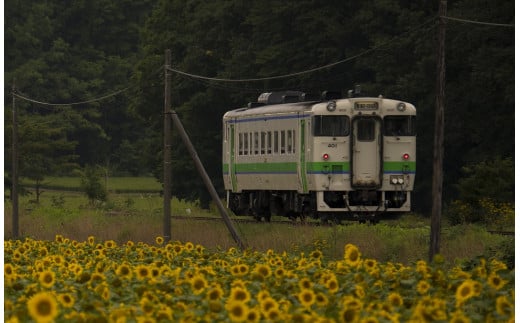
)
(295, 222)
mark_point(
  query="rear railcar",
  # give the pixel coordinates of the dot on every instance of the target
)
(335, 159)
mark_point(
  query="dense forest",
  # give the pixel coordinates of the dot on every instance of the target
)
(100, 64)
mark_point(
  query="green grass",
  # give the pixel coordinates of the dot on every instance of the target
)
(139, 217)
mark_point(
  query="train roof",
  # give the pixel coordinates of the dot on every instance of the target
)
(277, 102)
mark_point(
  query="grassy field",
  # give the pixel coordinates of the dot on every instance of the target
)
(139, 217)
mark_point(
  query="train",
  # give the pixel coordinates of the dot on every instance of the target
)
(328, 157)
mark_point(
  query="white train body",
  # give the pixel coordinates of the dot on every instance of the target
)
(351, 158)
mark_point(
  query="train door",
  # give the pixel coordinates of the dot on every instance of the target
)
(232, 157)
(302, 162)
(366, 153)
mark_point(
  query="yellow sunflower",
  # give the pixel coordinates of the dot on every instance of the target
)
(198, 284)
(307, 297)
(142, 272)
(464, 291)
(124, 271)
(423, 286)
(395, 299)
(253, 315)
(495, 281)
(159, 240)
(47, 278)
(503, 306)
(237, 311)
(305, 283)
(239, 294)
(262, 270)
(43, 307)
(352, 255)
(66, 300)
(215, 293)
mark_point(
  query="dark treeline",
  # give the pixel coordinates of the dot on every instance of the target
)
(71, 52)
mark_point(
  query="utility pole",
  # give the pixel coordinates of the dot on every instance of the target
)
(205, 178)
(438, 138)
(14, 171)
(167, 180)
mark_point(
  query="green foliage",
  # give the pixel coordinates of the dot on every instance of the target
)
(92, 186)
(486, 194)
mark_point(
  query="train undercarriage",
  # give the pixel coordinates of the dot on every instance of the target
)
(327, 206)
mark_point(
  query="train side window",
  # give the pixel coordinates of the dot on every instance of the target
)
(256, 143)
(276, 142)
(282, 142)
(269, 142)
(262, 142)
(331, 126)
(399, 126)
(289, 141)
(246, 146)
(240, 143)
(365, 129)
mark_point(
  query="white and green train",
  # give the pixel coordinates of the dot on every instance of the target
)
(330, 159)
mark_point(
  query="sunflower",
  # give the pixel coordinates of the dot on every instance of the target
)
(239, 294)
(66, 300)
(316, 254)
(159, 240)
(395, 299)
(189, 246)
(198, 284)
(503, 306)
(124, 271)
(268, 303)
(237, 311)
(47, 278)
(9, 270)
(349, 314)
(253, 315)
(110, 244)
(215, 293)
(147, 306)
(91, 240)
(307, 297)
(321, 299)
(305, 283)
(332, 285)
(142, 272)
(262, 270)
(495, 281)
(422, 287)
(43, 307)
(352, 255)
(464, 291)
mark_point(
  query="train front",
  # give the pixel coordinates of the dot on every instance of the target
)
(363, 153)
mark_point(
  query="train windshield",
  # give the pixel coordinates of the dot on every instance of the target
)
(332, 126)
(399, 126)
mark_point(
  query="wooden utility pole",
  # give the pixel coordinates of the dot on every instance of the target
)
(167, 149)
(438, 139)
(207, 181)
(14, 171)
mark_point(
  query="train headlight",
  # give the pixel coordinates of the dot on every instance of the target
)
(331, 106)
(397, 179)
(401, 106)
(325, 156)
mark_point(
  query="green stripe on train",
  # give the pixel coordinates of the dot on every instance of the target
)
(291, 167)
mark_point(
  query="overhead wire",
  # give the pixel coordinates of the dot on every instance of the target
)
(478, 22)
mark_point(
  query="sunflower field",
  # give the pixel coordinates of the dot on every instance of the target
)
(100, 281)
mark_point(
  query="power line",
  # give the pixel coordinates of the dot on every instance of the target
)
(18, 94)
(301, 72)
(478, 22)
(72, 103)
